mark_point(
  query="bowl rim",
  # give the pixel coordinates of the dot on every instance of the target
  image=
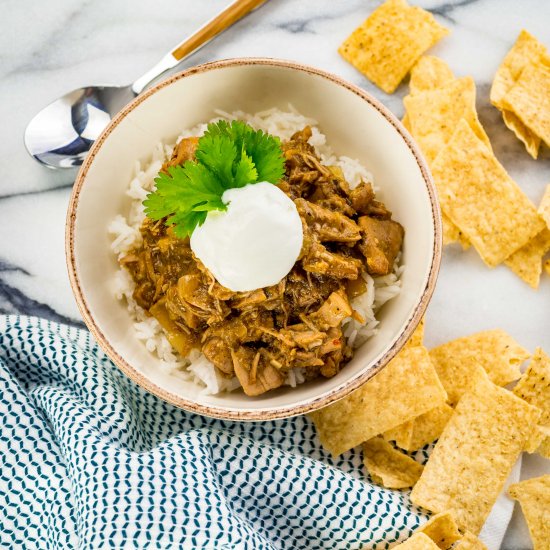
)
(273, 413)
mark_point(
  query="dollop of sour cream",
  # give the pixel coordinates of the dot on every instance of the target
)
(255, 242)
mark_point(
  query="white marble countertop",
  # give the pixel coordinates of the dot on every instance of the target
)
(48, 48)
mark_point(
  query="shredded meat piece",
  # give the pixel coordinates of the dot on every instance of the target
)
(249, 299)
(328, 225)
(259, 336)
(337, 204)
(378, 210)
(218, 352)
(303, 337)
(306, 290)
(323, 262)
(183, 151)
(331, 364)
(381, 243)
(362, 197)
(257, 380)
(333, 311)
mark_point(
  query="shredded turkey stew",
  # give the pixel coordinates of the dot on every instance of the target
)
(260, 335)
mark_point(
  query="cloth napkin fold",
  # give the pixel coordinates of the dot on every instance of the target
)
(90, 460)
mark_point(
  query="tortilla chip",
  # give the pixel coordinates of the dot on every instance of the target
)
(442, 529)
(475, 454)
(405, 122)
(495, 350)
(419, 541)
(388, 466)
(384, 402)
(452, 234)
(424, 429)
(470, 542)
(544, 206)
(400, 435)
(386, 46)
(479, 197)
(547, 266)
(534, 498)
(526, 263)
(429, 73)
(544, 447)
(434, 115)
(529, 99)
(417, 337)
(530, 140)
(539, 441)
(526, 49)
(534, 387)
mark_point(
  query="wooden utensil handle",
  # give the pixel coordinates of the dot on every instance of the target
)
(225, 19)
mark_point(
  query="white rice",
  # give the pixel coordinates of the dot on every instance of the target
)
(125, 231)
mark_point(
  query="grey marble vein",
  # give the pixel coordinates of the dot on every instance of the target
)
(37, 192)
(445, 10)
(12, 300)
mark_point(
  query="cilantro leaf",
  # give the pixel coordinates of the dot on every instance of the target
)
(184, 196)
(228, 155)
(218, 153)
(264, 149)
(185, 222)
(245, 171)
(267, 155)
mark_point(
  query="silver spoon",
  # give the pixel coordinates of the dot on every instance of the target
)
(61, 134)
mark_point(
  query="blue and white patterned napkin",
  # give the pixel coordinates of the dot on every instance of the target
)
(90, 460)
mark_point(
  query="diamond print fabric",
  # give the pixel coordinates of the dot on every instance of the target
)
(89, 460)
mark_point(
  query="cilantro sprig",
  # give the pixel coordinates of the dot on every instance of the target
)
(228, 155)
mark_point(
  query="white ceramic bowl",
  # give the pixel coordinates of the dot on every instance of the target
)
(355, 124)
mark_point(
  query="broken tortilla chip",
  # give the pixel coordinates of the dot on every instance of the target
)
(526, 263)
(419, 541)
(469, 542)
(529, 99)
(530, 140)
(526, 49)
(400, 435)
(433, 115)
(534, 498)
(420, 431)
(442, 529)
(389, 467)
(475, 453)
(478, 195)
(386, 46)
(494, 350)
(417, 337)
(452, 234)
(547, 266)
(534, 387)
(382, 403)
(544, 206)
(429, 73)
(538, 441)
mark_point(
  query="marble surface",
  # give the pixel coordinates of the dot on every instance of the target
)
(48, 48)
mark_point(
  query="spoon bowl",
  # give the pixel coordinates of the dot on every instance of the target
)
(61, 134)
